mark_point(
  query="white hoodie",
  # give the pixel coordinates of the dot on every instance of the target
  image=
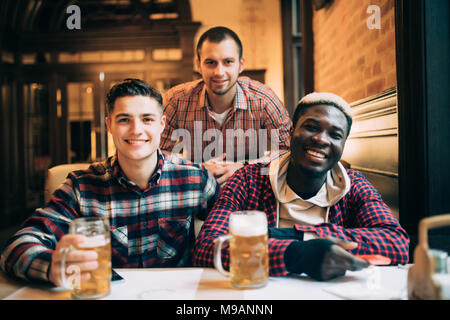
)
(292, 209)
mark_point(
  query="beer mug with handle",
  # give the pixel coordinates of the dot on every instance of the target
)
(97, 232)
(249, 253)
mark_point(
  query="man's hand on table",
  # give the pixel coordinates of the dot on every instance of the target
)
(322, 259)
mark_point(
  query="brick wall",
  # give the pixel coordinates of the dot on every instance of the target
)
(350, 59)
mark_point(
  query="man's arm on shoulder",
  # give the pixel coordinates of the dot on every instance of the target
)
(368, 221)
(27, 254)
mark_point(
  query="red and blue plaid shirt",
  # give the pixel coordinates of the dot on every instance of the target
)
(149, 228)
(360, 216)
(257, 119)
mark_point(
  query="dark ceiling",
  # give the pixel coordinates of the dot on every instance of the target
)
(46, 16)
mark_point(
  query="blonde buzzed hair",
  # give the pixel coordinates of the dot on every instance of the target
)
(323, 98)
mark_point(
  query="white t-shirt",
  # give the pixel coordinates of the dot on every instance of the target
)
(220, 117)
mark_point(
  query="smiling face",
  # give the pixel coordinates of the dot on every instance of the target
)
(219, 64)
(318, 139)
(136, 124)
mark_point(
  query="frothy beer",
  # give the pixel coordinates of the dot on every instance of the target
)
(98, 284)
(249, 266)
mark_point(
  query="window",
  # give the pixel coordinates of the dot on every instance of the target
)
(80, 102)
(169, 54)
(102, 56)
(297, 51)
(36, 141)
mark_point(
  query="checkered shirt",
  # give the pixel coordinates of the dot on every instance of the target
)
(149, 228)
(256, 120)
(360, 216)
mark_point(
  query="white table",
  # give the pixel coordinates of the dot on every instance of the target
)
(207, 284)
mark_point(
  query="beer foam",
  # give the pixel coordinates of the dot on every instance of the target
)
(248, 225)
(93, 242)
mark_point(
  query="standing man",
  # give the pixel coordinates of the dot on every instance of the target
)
(150, 201)
(224, 120)
(317, 211)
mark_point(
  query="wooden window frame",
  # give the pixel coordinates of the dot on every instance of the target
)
(291, 41)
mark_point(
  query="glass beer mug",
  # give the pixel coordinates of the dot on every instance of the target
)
(249, 253)
(97, 232)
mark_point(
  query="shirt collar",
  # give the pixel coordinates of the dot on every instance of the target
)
(117, 172)
(239, 99)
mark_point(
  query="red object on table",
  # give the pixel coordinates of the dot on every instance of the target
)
(375, 259)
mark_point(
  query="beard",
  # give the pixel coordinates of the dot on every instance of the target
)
(223, 91)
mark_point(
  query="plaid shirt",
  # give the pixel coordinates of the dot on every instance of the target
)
(149, 228)
(360, 216)
(258, 116)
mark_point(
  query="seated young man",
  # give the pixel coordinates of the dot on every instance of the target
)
(320, 215)
(150, 201)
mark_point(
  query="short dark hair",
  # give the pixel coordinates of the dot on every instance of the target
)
(216, 35)
(131, 87)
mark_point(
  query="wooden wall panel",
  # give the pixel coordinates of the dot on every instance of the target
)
(372, 146)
